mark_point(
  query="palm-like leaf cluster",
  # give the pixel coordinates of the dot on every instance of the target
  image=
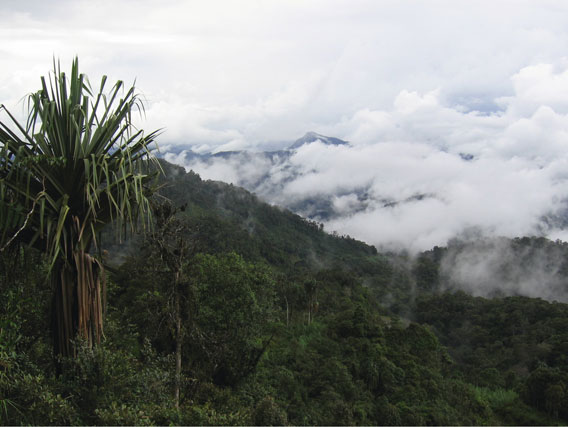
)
(76, 165)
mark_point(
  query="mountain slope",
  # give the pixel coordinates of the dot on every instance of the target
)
(273, 321)
(286, 178)
(240, 221)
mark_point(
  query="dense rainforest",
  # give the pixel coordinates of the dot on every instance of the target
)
(232, 311)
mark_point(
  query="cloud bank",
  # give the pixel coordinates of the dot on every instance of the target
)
(422, 172)
(225, 75)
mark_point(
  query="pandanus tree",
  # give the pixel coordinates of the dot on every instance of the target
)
(76, 165)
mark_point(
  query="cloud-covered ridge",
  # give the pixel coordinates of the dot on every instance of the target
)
(424, 171)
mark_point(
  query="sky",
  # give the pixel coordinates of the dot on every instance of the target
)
(412, 85)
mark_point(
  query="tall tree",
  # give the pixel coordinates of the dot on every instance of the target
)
(169, 240)
(77, 164)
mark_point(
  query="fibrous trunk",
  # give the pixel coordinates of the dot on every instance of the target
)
(79, 299)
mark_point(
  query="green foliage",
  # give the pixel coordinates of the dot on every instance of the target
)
(75, 164)
(513, 342)
(234, 303)
(31, 398)
(25, 300)
(495, 398)
(268, 413)
(281, 324)
(545, 388)
(100, 386)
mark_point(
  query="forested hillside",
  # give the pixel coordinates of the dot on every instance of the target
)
(232, 311)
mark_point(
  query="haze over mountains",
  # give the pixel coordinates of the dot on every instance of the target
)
(269, 174)
(488, 267)
(397, 195)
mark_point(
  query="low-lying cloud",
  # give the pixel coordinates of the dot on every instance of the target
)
(497, 267)
(423, 171)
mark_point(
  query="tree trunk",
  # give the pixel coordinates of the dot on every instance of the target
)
(64, 325)
(178, 341)
(78, 302)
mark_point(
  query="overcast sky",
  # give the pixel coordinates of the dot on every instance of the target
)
(411, 84)
(243, 73)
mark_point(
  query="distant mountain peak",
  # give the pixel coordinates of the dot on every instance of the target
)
(310, 137)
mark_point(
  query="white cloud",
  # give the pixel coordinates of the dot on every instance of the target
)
(487, 266)
(427, 172)
(272, 70)
(537, 85)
